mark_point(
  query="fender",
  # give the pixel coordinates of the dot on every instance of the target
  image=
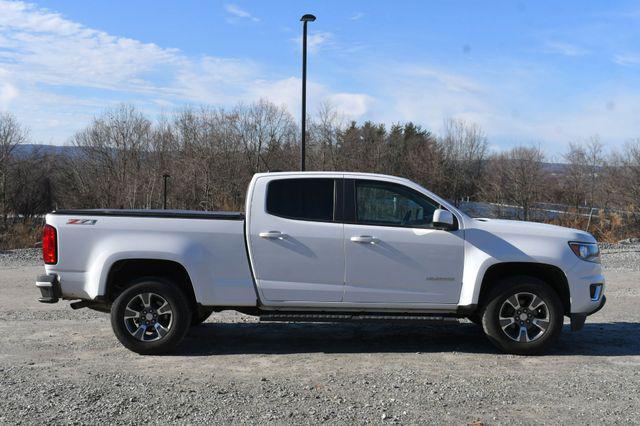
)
(484, 249)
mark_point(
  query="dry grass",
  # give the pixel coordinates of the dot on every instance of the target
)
(607, 227)
(21, 235)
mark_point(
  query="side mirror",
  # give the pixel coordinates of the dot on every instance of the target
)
(442, 219)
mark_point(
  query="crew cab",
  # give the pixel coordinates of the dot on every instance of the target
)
(322, 246)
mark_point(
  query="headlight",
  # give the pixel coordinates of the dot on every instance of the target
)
(586, 251)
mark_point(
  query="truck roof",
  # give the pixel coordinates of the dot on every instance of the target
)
(333, 173)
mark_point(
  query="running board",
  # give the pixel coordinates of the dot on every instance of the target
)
(334, 317)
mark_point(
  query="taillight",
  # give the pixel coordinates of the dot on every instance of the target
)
(49, 245)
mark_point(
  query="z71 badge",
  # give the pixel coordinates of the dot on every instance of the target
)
(81, 222)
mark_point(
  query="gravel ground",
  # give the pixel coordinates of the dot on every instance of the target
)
(621, 257)
(23, 257)
(63, 366)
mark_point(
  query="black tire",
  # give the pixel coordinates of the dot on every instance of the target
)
(551, 312)
(178, 321)
(200, 315)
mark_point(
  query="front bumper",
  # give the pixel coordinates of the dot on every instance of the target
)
(577, 320)
(582, 277)
(49, 287)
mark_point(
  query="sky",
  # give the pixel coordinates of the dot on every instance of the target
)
(546, 73)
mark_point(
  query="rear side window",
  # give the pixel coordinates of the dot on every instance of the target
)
(304, 199)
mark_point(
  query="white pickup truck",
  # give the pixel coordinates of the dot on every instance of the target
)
(322, 246)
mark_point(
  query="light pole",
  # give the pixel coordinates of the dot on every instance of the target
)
(305, 18)
(164, 200)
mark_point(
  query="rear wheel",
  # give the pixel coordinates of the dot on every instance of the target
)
(523, 315)
(151, 316)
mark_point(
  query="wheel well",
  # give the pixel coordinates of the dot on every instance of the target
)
(550, 274)
(125, 271)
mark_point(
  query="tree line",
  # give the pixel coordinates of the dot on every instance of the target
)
(118, 161)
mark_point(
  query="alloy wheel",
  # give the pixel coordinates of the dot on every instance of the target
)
(524, 317)
(148, 317)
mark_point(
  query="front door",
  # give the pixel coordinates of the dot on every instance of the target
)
(393, 254)
(297, 239)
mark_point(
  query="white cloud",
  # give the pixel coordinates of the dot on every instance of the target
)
(612, 114)
(8, 93)
(565, 49)
(236, 12)
(357, 16)
(43, 47)
(56, 74)
(287, 92)
(316, 40)
(626, 59)
(427, 96)
(512, 105)
(351, 105)
(447, 80)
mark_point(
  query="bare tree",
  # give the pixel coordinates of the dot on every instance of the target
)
(113, 149)
(30, 187)
(464, 149)
(574, 182)
(325, 133)
(625, 176)
(11, 135)
(266, 133)
(595, 167)
(517, 177)
(525, 177)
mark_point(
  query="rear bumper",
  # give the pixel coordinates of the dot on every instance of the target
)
(578, 320)
(49, 287)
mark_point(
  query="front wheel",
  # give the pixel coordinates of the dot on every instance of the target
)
(523, 316)
(151, 316)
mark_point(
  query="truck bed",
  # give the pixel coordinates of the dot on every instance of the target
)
(212, 251)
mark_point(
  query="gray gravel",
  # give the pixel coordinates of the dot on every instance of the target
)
(621, 257)
(63, 366)
(20, 257)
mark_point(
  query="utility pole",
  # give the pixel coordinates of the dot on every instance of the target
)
(306, 18)
(164, 202)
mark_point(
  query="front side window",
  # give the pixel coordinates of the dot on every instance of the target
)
(389, 204)
(303, 199)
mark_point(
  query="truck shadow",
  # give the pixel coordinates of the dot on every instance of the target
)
(596, 339)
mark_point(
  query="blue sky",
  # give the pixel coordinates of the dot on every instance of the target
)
(546, 73)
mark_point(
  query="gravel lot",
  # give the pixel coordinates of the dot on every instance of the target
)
(64, 366)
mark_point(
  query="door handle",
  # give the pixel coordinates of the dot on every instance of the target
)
(272, 234)
(365, 239)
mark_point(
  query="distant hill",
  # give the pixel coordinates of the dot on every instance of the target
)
(27, 149)
(555, 168)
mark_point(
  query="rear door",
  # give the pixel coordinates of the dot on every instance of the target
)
(296, 238)
(393, 254)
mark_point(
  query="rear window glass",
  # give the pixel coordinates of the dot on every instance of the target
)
(304, 199)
